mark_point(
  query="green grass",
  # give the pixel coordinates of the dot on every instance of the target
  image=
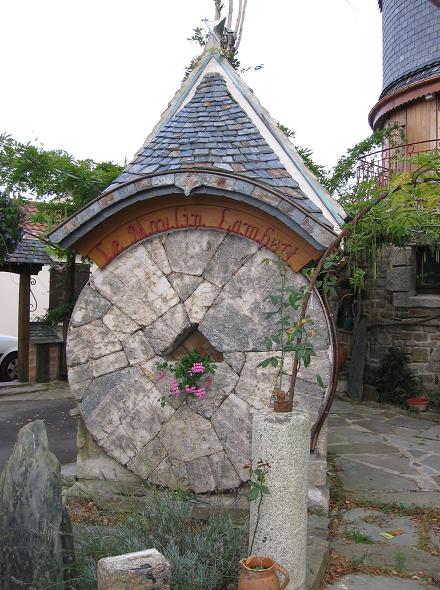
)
(358, 537)
(400, 561)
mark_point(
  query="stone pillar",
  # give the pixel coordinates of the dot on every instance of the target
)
(134, 571)
(283, 441)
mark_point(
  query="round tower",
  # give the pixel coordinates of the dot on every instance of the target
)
(411, 68)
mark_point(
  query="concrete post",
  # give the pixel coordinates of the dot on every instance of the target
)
(283, 441)
(134, 571)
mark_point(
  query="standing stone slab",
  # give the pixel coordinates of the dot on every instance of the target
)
(31, 514)
(143, 570)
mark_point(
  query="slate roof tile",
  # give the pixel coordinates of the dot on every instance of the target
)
(212, 130)
(29, 251)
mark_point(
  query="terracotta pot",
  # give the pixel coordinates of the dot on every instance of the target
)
(261, 579)
(419, 403)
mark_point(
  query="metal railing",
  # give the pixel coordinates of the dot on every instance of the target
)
(381, 164)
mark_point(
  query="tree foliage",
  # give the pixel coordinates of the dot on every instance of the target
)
(11, 219)
(61, 183)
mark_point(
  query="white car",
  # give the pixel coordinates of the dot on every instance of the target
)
(8, 357)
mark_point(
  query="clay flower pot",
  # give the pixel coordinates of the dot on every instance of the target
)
(259, 573)
(418, 403)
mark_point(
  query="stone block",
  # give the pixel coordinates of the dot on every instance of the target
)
(200, 301)
(119, 323)
(232, 422)
(230, 256)
(115, 290)
(318, 499)
(317, 471)
(184, 285)
(235, 360)
(90, 341)
(90, 306)
(157, 254)
(402, 256)
(200, 475)
(163, 333)
(195, 434)
(198, 252)
(109, 363)
(137, 348)
(256, 384)
(400, 278)
(134, 571)
(420, 355)
(223, 383)
(94, 463)
(226, 478)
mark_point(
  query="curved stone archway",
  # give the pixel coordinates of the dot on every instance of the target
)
(136, 310)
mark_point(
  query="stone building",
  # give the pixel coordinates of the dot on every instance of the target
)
(180, 239)
(403, 305)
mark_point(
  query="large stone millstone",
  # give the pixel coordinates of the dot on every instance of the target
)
(137, 310)
(32, 523)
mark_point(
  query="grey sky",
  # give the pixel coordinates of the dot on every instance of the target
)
(92, 77)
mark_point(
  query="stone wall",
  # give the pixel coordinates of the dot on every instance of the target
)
(400, 317)
(138, 311)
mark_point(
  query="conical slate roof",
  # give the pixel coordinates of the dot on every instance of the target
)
(212, 130)
(215, 121)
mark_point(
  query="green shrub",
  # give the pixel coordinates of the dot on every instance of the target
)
(394, 380)
(204, 555)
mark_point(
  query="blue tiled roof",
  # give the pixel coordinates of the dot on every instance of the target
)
(213, 131)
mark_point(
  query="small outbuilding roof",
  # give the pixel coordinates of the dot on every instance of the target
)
(29, 251)
(43, 334)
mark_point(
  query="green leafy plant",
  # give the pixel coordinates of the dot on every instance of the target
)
(191, 375)
(291, 335)
(203, 554)
(257, 490)
(358, 537)
(394, 380)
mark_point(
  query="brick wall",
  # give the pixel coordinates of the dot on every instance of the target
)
(411, 37)
(399, 317)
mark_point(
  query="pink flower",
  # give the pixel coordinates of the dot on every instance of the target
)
(161, 375)
(174, 387)
(200, 393)
(197, 368)
(190, 389)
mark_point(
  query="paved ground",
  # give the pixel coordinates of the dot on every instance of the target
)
(20, 405)
(387, 467)
(385, 454)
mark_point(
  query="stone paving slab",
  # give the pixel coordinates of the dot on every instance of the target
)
(366, 582)
(375, 524)
(385, 455)
(410, 559)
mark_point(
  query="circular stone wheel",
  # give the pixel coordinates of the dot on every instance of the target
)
(156, 298)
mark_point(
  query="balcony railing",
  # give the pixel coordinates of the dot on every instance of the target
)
(381, 164)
